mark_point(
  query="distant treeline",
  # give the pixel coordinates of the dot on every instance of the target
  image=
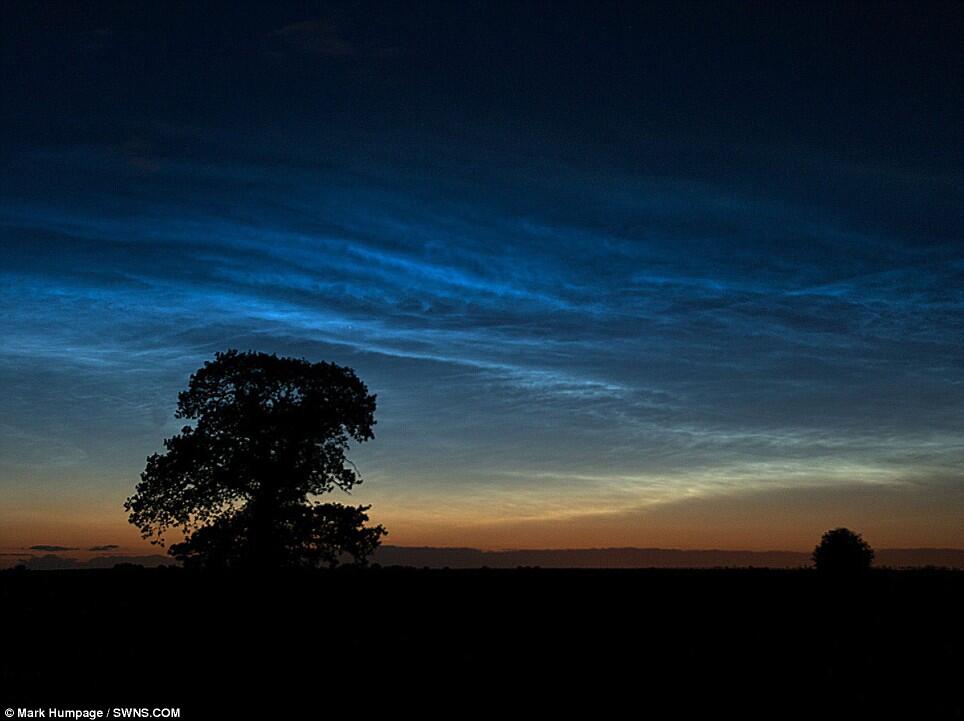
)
(431, 557)
(644, 558)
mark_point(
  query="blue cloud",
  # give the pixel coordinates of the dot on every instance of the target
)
(657, 337)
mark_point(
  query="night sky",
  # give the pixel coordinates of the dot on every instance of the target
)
(666, 274)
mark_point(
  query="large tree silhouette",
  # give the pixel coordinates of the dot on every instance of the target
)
(270, 435)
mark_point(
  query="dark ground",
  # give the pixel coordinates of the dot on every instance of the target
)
(640, 643)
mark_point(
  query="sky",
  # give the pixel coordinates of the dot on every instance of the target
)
(632, 274)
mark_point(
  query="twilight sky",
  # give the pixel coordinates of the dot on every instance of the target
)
(655, 275)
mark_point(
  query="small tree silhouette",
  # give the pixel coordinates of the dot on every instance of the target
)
(842, 552)
(270, 435)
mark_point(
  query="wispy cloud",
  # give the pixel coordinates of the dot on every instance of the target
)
(669, 330)
(43, 547)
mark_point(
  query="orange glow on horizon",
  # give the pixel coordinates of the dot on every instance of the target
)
(790, 521)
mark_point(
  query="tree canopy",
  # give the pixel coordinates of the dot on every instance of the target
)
(841, 551)
(270, 435)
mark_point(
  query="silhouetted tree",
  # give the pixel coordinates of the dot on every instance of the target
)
(841, 551)
(270, 433)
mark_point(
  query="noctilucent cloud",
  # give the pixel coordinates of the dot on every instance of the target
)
(670, 276)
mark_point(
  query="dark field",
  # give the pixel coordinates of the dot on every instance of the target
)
(639, 643)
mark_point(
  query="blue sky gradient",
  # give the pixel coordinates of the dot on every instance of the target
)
(574, 322)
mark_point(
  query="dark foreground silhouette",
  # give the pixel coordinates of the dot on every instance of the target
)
(269, 434)
(305, 644)
(842, 552)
